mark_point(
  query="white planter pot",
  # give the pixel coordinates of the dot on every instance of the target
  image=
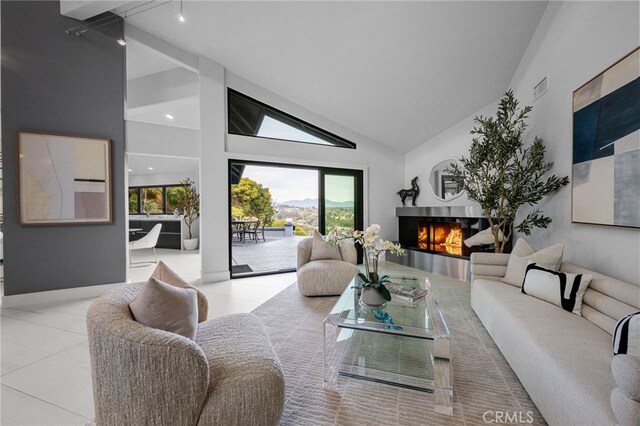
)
(190, 244)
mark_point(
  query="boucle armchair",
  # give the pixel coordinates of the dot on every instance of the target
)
(230, 374)
(325, 277)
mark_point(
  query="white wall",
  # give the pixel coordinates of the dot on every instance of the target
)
(155, 139)
(164, 178)
(452, 143)
(382, 166)
(574, 42)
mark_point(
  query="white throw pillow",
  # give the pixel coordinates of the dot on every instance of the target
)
(483, 238)
(626, 335)
(167, 307)
(560, 288)
(167, 275)
(321, 250)
(522, 253)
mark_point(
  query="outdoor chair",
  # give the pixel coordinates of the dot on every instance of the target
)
(260, 230)
(252, 231)
(237, 231)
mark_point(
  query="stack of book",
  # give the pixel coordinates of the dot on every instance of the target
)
(405, 292)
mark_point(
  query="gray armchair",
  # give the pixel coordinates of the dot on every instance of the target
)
(229, 375)
(325, 277)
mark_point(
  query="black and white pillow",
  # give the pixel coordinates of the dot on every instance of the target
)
(626, 335)
(560, 288)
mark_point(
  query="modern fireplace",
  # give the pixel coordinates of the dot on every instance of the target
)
(434, 238)
(440, 237)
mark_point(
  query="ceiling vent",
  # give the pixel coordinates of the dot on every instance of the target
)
(540, 88)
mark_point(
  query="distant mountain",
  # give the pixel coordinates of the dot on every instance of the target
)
(313, 202)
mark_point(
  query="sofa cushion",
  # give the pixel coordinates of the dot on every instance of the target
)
(522, 253)
(626, 335)
(626, 373)
(246, 384)
(321, 250)
(167, 307)
(559, 288)
(325, 277)
(626, 410)
(563, 361)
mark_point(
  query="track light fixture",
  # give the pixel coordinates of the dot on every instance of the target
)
(181, 17)
(79, 30)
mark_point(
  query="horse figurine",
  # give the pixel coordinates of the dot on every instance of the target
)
(413, 192)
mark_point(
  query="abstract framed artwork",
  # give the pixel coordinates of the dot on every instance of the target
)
(606, 147)
(63, 179)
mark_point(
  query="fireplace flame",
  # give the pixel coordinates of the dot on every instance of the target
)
(453, 242)
(422, 238)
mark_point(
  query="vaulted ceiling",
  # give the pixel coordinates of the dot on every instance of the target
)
(396, 72)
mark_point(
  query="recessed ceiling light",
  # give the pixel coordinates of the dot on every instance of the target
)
(150, 168)
(169, 116)
(122, 41)
(130, 170)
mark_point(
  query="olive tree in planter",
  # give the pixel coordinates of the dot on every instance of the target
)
(188, 207)
(501, 174)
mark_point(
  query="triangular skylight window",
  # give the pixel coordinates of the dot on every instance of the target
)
(250, 117)
(272, 128)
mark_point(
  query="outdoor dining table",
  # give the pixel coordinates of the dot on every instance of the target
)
(243, 224)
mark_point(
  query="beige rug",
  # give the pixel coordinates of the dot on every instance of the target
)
(483, 381)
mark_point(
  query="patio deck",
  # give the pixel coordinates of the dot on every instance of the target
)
(276, 253)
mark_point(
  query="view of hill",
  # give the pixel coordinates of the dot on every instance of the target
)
(313, 202)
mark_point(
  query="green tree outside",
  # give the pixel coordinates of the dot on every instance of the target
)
(251, 200)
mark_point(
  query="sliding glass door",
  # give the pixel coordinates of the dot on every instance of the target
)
(273, 206)
(340, 199)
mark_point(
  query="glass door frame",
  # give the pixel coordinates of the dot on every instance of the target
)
(358, 175)
(358, 190)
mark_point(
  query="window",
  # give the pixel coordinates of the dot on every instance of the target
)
(249, 117)
(173, 194)
(152, 200)
(134, 201)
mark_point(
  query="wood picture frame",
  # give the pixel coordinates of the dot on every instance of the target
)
(63, 179)
(606, 147)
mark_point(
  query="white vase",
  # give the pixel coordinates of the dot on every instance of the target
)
(190, 244)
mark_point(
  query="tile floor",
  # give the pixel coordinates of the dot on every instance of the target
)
(44, 358)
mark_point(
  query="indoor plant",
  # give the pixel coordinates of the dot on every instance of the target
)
(374, 292)
(188, 206)
(501, 174)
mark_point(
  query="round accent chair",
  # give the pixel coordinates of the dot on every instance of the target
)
(326, 277)
(228, 375)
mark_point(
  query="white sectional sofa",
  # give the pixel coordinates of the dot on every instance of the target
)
(563, 360)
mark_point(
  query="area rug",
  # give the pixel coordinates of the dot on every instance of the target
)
(484, 384)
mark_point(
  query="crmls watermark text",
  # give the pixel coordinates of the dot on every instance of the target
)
(507, 417)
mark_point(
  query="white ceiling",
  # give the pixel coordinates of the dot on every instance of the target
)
(139, 165)
(396, 72)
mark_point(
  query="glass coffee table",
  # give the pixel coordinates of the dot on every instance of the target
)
(414, 352)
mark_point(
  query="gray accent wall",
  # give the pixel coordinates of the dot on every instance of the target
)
(55, 82)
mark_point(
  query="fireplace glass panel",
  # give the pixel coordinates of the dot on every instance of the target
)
(441, 237)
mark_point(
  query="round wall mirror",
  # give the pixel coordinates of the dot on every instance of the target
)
(442, 185)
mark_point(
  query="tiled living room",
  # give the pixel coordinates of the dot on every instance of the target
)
(485, 269)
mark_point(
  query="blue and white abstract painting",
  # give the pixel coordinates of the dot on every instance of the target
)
(606, 146)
